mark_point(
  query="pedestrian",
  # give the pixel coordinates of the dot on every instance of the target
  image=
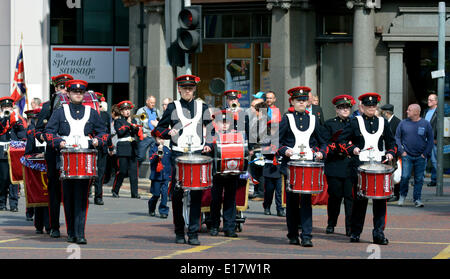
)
(161, 170)
(35, 103)
(148, 123)
(430, 115)
(257, 127)
(415, 141)
(338, 165)
(366, 138)
(67, 124)
(183, 123)
(273, 113)
(299, 128)
(387, 111)
(312, 108)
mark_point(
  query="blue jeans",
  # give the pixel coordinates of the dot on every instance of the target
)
(143, 146)
(433, 163)
(159, 188)
(408, 164)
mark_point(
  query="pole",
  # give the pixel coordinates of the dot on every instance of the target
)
(440, 108)
(187, 3)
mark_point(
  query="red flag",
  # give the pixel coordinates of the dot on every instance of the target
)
(19, 93)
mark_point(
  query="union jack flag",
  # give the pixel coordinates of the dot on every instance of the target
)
(19, 93)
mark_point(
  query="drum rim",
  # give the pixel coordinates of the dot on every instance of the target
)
(386, 171)
(201, 159)
(79, 150)
(305, 163)
(63, 176)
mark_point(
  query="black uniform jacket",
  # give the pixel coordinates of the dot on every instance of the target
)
(30, 147)
(338, 162)
(58, 126)
(126, 130)
(15, 132)
(170, 120)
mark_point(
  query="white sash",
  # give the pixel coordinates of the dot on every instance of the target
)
(302, 137)
(371, 141)
(189, 134)
(76, 135)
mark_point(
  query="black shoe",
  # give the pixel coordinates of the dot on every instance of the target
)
(281, 213)
(231, 234)
(179, 239)
(294, 241)
(55, 233)
(151, 213)
(163, 216)
(193, 241)
(115, 195)
(39, 231)
(71, 239)
(381, 241)
(348, 232)
(307, 243)
(354, 238)
(99, 202)
(29, 219)
(214, 232)
(267, 211)
(136, 197)
(393, 199)
(14, 209)
(329, 230)
(81, 240)
(432, 184)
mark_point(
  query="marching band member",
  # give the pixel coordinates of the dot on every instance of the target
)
(298, 129)
(74, 120)
(223, 185)
(54, 184)
(126, 149)
(367, 129)
(187, 118)
(41, 216)
(11, 128)
(338, 165)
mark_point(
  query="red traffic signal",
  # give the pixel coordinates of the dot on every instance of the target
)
(190, 32)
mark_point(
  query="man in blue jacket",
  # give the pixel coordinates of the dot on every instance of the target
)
(161, 170)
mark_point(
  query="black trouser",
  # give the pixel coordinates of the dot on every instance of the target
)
(101, 167)
(6, 188)
(257, 173)
(298, 211)
(75, 196)
(359, 214)
(226, 185)
(41, 218)
(54, 188)
(177, 206)
(127, 165)
(339, 188)
(272, 185)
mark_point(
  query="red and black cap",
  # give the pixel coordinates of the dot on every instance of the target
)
(125, 105)
(33, 113)
(233, 94)
(370, 99)
(99, 95)
(300, 93)
(343, 100)
(187, 80)
(223, 115)
(61, 79)
(6, 101)
(76, 84)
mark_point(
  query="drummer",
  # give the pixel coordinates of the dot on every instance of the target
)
(362, 131)
(35, 148)
(74, 120)
(186, 118)
(126, 151)
(223, 184)
(300, 132)
(338, 165)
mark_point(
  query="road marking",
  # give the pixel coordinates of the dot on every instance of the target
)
(420, 242)
(197, 249)
(444, 254)
(16, 239)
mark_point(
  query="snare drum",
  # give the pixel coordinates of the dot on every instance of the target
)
(375, 181)
(231, 154)
(194, 172)
(305, 177)
(78, 163)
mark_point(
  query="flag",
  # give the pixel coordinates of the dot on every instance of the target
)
(19, 93)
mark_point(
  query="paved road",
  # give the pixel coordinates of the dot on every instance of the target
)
(122, 229)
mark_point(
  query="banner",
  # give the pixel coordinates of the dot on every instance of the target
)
(35, 177)
(15, 152)
(237, 77)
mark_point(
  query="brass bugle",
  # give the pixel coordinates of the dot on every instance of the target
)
(141, 116)
(6, 113)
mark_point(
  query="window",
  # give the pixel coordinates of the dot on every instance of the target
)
(240, 25)
(337, 25)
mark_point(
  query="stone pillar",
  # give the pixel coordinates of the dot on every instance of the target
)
(396, 77)
(5, 48)
(159, 72)
(293, 56)
(363, 49)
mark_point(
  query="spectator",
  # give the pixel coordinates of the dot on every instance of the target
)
(315, 100)
(388, 113)
(273, 113)
(165, 103)
(35, 103)
(431, 116)
(314, 109)
(414, 138)
(152, 116)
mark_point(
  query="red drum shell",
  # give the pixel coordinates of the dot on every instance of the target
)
(78, 163)
(375, 181)
(231, 154)
(194, 172)
(305, 177)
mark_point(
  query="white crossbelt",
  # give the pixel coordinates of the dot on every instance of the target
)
(126, 139)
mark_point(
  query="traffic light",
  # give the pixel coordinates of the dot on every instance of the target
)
(190, 31)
